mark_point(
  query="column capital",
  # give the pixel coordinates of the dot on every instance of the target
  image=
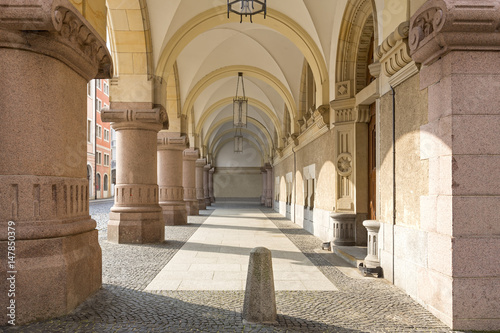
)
(207, 167)
(212, 170)
(166, 142)
(56, 29)
(442, 26)
(201, 162)
(149, 119)
(191, 154)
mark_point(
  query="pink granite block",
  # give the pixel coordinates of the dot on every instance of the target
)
(475, 134)
(428, 213)
(444, 212)
(476, 215)
(473, 63)
(476, 257)
(476, 94)
(439, 99)
(435, 290)
(476, 175)
(440, 253)
(476, 298)
(445, 175)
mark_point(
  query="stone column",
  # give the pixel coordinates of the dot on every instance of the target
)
(263, 172)
(205, 185)
(45, 66)
(211, 185)
(170, 178)
(459, 47)
(135, 217)
(200, 163)
(189, 181)
(269, 186)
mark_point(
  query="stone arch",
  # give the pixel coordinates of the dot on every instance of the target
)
(251, 101)
(358, 21)
(307, 99)
(223, 121)
(229, 71)
(263, 146)
(223, 143)
(274, 20)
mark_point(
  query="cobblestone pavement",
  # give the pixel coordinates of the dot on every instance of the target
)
(122, 305)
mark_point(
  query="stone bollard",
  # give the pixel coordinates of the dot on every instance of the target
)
(260, 302)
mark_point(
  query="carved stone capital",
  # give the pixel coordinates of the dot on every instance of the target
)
(56, 29)
(322, 116)
(152, 119)
(442, 26)
(191, 154)
(166, 142)
(394, 53)
(200, 163)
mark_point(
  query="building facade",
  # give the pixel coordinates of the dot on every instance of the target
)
(358, 110)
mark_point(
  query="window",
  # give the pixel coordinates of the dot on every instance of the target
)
(89, 91)
(106, 134)
(89, 130)
(98, 84)
(98, 182)
(105, 184)
(98, 104)
(106, 88)
(98, 157)
(106, 159)
(98, 131)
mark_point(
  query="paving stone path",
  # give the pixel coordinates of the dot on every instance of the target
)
(122, 305)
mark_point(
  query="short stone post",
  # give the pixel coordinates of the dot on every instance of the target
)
(260, 302)
(372, 260)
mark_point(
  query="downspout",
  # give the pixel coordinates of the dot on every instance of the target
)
(393, 179)
(294, 184)
(95, 141)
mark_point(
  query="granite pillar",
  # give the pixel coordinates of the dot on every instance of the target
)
(170, 178)
(459, 46)
(263, 172)
(211, 185)
(200, 163)
(189, 180)
(206, 194)
(269, 186)
(44, 211)
(135, 218)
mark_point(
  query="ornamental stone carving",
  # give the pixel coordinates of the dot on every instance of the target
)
(441, 26)
(344, 164)
(394, 53)
(55, 28)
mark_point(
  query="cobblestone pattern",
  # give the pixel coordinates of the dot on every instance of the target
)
(122, 305)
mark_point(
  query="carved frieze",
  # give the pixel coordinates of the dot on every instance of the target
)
(55, 28)
(441, 26)
(322, 116)
(167, 142)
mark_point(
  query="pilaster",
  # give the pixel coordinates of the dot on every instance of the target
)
(459, 46)
(43, 182)
(263, 172)
(211, 185)
(135, 218)
(206, 191)
(170, 177)
(190, 156)
(269, 185)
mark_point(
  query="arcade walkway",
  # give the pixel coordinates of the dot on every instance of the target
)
(194, 282)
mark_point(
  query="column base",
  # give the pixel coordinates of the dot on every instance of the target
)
(136, 227)
(208, 202)
(201, 204)
(54, 275)
(192, 208)
(174, 213)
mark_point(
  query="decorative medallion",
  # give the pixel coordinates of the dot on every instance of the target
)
(344, 164)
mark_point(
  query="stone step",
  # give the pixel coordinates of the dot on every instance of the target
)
(354, 255)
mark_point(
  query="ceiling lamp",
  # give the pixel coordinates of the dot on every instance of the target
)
(238, 141)
(240, 105)
(246, 7)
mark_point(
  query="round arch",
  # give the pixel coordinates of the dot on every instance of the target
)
(230, 120)
(223, 143)
(263, 146)
(229, 71)
(251, 101)
(274, 20)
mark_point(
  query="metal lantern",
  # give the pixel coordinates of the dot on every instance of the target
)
(240, 105)
(238, 141)
(246, 8)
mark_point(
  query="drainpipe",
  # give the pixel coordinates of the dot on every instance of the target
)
(95, 141)
(393, 179)
(294, 184)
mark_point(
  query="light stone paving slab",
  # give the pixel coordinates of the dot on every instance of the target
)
(216, 256)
